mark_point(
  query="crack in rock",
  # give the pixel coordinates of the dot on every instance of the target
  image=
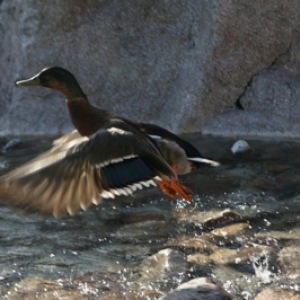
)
(238, 103)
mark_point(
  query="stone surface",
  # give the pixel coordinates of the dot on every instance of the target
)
(162, 270)
(289, 261)
(197, 289)
(182, 64)
(198, 244)
(277, 294)
(233, 257)
(230, 231)
(81, 287)
(200, 260)
(240, 146)
(205, 218)
(293, 234)
(242, 285)
(36, 288)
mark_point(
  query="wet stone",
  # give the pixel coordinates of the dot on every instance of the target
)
(162, 270)
(93, 281)
(86, 286)
(277, 294)
(36, 288)
(240, 146)
(291, 217)
(144, 229)
(142, 216)
(232, 235)
(198, 288)
(197, 244)
(142, 295)
(251, 253)
(200, 260)
(289, 261)
(229, 231)
(291, 204)
(223, 256)
(207, 219)
(293, 234)
(239, 284)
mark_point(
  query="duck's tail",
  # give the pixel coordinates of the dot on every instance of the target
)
(199, 162)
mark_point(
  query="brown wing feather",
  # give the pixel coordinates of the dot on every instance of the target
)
(66, 179)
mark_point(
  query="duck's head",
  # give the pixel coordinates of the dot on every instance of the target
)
(56, 78)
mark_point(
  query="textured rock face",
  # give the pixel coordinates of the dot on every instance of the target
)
(181, 64)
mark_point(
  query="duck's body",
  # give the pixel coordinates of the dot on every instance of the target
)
(107, 155)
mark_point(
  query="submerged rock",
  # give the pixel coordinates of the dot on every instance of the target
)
(194, 244)
(289, 261)
(198, 289)
(162, 270)
(277, 294)
(205, 218)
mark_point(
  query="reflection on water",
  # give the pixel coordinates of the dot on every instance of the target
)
(242, 230)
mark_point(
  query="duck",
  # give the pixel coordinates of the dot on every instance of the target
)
(107, 155)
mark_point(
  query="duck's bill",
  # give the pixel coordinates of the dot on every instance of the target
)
(34, 81)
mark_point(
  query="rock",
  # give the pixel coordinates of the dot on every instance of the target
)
(240, 146)
(142, 216)
(141, 230)
(293, 234)
(237, 283)
(198, 244)
(158, 58)
(277, 294)
(223, 256)
(93, 281)
(205, 218)
(143, 295)
(37, 288)
(289, 261)
(88, 286)
(229, 231)
(200, 260)
(162, 270)
(199, 288)
(259, 257)
(274, 93)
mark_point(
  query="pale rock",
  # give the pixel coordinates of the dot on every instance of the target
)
(198, 289)
(277, 294)
(240, 146)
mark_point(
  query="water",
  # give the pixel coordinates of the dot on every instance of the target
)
(120, 245)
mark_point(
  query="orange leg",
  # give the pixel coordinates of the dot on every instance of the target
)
(174, 187)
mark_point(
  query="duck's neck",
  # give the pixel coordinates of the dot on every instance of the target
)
(86, 118)
(72, 90)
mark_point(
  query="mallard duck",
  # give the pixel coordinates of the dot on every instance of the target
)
(106, 156)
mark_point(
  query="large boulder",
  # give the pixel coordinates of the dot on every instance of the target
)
(182, 64)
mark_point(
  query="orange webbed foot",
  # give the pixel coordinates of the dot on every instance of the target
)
(174, 187)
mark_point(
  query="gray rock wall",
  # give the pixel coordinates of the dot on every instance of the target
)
(182, 64)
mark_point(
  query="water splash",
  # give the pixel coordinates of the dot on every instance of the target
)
(260, 264)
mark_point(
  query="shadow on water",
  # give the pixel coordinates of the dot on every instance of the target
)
(242, 230)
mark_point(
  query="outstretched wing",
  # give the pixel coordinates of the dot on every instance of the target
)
(79, 171)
